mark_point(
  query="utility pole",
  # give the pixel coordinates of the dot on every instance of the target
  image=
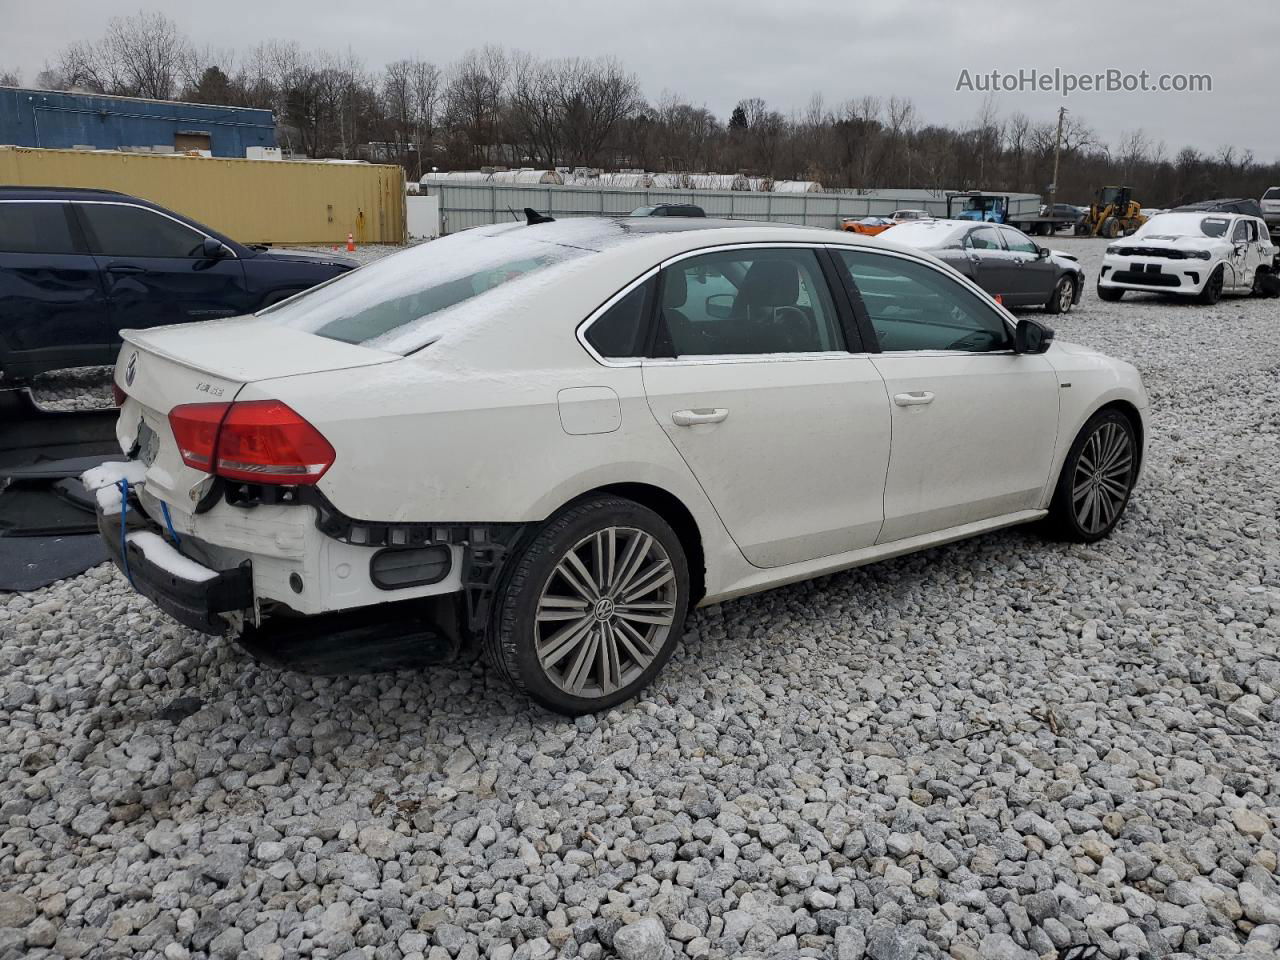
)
(1057, 152)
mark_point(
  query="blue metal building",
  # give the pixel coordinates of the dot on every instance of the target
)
(46, 118)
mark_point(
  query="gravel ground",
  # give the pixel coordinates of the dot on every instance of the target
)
(991, 750)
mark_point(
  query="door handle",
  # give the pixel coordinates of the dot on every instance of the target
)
(124, 268)
(689, 418)
(917, 399)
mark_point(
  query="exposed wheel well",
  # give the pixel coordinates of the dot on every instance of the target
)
(1131, 414)
(669, 507)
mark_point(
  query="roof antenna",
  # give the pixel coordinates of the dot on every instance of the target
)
(532, 216)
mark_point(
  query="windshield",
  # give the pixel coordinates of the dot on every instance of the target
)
(386, 304)
(1185, 225)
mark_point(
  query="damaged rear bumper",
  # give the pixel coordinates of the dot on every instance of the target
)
(198, 604)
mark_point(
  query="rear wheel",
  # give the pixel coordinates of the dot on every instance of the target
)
(591, 607)
(1109, 294)
(1096, 480)
(1063, 296)
(1212, 291)
(1110, 229)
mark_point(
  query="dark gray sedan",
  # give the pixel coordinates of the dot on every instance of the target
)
(1002, 260)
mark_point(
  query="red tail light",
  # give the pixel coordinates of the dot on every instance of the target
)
(195, 427)
(258, 441)
(118, 395)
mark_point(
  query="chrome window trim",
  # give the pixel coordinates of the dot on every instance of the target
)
(585, 325)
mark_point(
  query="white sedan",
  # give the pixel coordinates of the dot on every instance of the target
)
(1204, 255)
(553, 440)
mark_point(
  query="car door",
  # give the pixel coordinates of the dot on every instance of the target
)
(155, 270)
(782, 423)
(994, 268)
(974, 424)
(1034, 275)
(1242, 256)
(53, 310)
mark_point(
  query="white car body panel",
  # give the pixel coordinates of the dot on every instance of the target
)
(506, 419)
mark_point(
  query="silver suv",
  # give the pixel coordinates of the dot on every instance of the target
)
(1271, 209)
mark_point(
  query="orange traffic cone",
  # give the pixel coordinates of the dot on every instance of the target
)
(351, 243)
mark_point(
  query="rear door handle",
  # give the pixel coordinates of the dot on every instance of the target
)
(917, 399)
(124, 268)
(688, 418)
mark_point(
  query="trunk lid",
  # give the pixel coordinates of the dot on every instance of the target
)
(163, 367)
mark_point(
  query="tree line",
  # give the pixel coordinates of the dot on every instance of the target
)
(500, 107)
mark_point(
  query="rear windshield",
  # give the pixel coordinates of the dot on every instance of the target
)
(392, 303)
(1272, 194)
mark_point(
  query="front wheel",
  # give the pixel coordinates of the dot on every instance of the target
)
(1096, 480)
(1063, 296)
(1212, 291)
(591, 607)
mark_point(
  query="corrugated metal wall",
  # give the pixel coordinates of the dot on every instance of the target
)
(253, 201)
(49, 118)
(464, 205)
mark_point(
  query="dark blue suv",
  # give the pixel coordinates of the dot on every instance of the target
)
(78, 266)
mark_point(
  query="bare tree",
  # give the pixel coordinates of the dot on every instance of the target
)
(10, 78)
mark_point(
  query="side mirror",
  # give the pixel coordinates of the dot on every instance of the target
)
(1031, 336)
(720, 305)
(1043, 252)
(213, 249)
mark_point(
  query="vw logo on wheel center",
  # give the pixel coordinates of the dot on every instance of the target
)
(131, 370)
(604, 608)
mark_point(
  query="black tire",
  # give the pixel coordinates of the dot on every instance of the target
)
(1212, 291)
(1110, 229)
(1062, 297)
(515, 632)
(1072, 513)
(1110, 294)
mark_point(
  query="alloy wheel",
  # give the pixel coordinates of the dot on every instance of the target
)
(1103, 477)
(1066, 293)
(605, 611)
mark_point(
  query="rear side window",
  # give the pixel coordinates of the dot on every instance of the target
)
(120, 230)
(35, 228)
(621, 330)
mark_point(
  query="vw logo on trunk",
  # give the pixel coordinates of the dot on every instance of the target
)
(131, 370)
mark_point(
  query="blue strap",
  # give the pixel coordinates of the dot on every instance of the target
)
(168, 521)
(123, 484)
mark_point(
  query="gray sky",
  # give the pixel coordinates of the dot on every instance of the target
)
(715, 52)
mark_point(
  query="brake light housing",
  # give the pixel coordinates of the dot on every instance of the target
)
(254, 441)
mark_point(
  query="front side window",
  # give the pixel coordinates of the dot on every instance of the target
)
(916, 307)
(747, 302)
(121, 230)
(984, 238)
(1241, 233)
(35, 228)
(1017, 241)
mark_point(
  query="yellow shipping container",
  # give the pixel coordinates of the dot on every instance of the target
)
(252, 201)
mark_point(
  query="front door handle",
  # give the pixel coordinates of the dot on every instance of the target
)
(688, 418)
(124, 268)
(917, 399)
